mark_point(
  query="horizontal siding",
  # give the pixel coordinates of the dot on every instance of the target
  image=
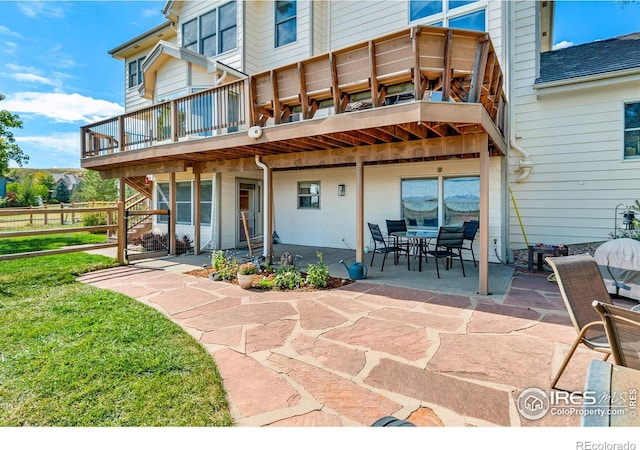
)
(171, 79)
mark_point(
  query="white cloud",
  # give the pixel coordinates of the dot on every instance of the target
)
(32, 78)
(7, 32)
(66, 144)
(10, 48)
(562, 44)
(62, 107)
(40, 9)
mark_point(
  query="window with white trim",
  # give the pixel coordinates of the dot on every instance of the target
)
(286, 22)
(214, 32)
(135, 72)
(308, 195)
(206, 201)
(632, 130)
(183, 210)
(467, 14)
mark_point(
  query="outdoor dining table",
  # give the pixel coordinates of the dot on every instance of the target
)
(418, 239)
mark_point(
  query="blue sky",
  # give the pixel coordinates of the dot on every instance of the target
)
(57, 74)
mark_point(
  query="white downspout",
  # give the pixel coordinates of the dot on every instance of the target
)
(525, 164)
(266, 207)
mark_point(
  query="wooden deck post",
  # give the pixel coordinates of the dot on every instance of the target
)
(483, 263)
(359, 210)
(196, 213)
(122, 232)
(172, 213)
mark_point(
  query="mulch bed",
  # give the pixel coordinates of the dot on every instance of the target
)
(333, 283)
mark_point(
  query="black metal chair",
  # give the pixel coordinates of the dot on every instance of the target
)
(380, 245)
(394, 226)
(449, 240)
(470, 231)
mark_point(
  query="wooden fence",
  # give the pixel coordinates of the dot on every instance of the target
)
(45, 218)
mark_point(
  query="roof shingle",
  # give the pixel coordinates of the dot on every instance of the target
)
(610, 55)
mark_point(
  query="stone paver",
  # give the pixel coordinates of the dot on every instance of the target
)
(350, 356)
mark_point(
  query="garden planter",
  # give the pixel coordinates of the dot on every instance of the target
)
(245, 281)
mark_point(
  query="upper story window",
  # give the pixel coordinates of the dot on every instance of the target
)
(212, 33)
(450, 13)
(286, 22)
(632, 130)
(135, 72)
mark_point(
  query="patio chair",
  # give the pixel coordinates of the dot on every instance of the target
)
(394, 226)
(470, 231)
(380, 245)
(448, 241)
(623, 333)
(580, 283)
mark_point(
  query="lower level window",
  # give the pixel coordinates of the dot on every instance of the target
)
(309, 195)
(183, 202)
(432, 202)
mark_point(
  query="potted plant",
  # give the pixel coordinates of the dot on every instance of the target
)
(246, 273)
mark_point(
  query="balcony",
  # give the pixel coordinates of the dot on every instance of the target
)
(417, 94)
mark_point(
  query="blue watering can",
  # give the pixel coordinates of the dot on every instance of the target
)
(357, 270)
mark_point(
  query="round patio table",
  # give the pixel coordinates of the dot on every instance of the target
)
(418, 239)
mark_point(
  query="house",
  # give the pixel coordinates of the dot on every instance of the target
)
(68, 179)
(575, 140)
(3, 187)
(310, 121)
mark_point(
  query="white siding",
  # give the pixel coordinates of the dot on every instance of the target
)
(575, 142)
(335, 220)
(171, 80)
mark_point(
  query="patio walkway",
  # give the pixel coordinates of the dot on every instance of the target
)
(350, 356)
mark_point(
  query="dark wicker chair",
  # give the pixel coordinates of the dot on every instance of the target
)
(580, 283)
(622, 326)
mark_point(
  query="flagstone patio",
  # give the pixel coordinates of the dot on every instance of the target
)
(349, 356)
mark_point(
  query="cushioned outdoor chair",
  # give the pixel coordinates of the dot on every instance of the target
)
(448, 246)
(623, 333)
(380, 246)
(580, 283)
(470, 231)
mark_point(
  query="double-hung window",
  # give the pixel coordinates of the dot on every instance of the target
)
(286, 22)
(632, 130)
(212, 33)
(135, 72)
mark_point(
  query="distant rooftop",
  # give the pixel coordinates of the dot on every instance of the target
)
(610, 55)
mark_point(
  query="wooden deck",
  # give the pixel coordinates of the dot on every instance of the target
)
(417, 94)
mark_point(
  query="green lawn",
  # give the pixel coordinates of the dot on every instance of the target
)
(48, 242)
(75, 355)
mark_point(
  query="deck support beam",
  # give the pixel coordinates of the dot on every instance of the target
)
(359, 210)
(483, 263)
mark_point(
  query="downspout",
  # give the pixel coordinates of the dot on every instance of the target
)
(525, 164)
(266, 220)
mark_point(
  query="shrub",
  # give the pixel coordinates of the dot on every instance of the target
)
(218, 260)
(318, 274)
(287, 277)
(266, 282)
(94, 219)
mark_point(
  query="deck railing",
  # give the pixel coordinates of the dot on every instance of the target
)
(416, 64)
(210, 112)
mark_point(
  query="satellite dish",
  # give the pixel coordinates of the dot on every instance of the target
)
(255, 132)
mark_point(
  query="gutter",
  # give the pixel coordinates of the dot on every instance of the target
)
(266, 207)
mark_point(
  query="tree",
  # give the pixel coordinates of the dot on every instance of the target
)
(47, 180)
(94, 188)
(9, 150)
(62, 194)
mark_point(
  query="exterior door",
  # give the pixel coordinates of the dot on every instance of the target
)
(249, 203)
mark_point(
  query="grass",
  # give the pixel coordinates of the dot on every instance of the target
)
(75, 355)
(48, 242)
